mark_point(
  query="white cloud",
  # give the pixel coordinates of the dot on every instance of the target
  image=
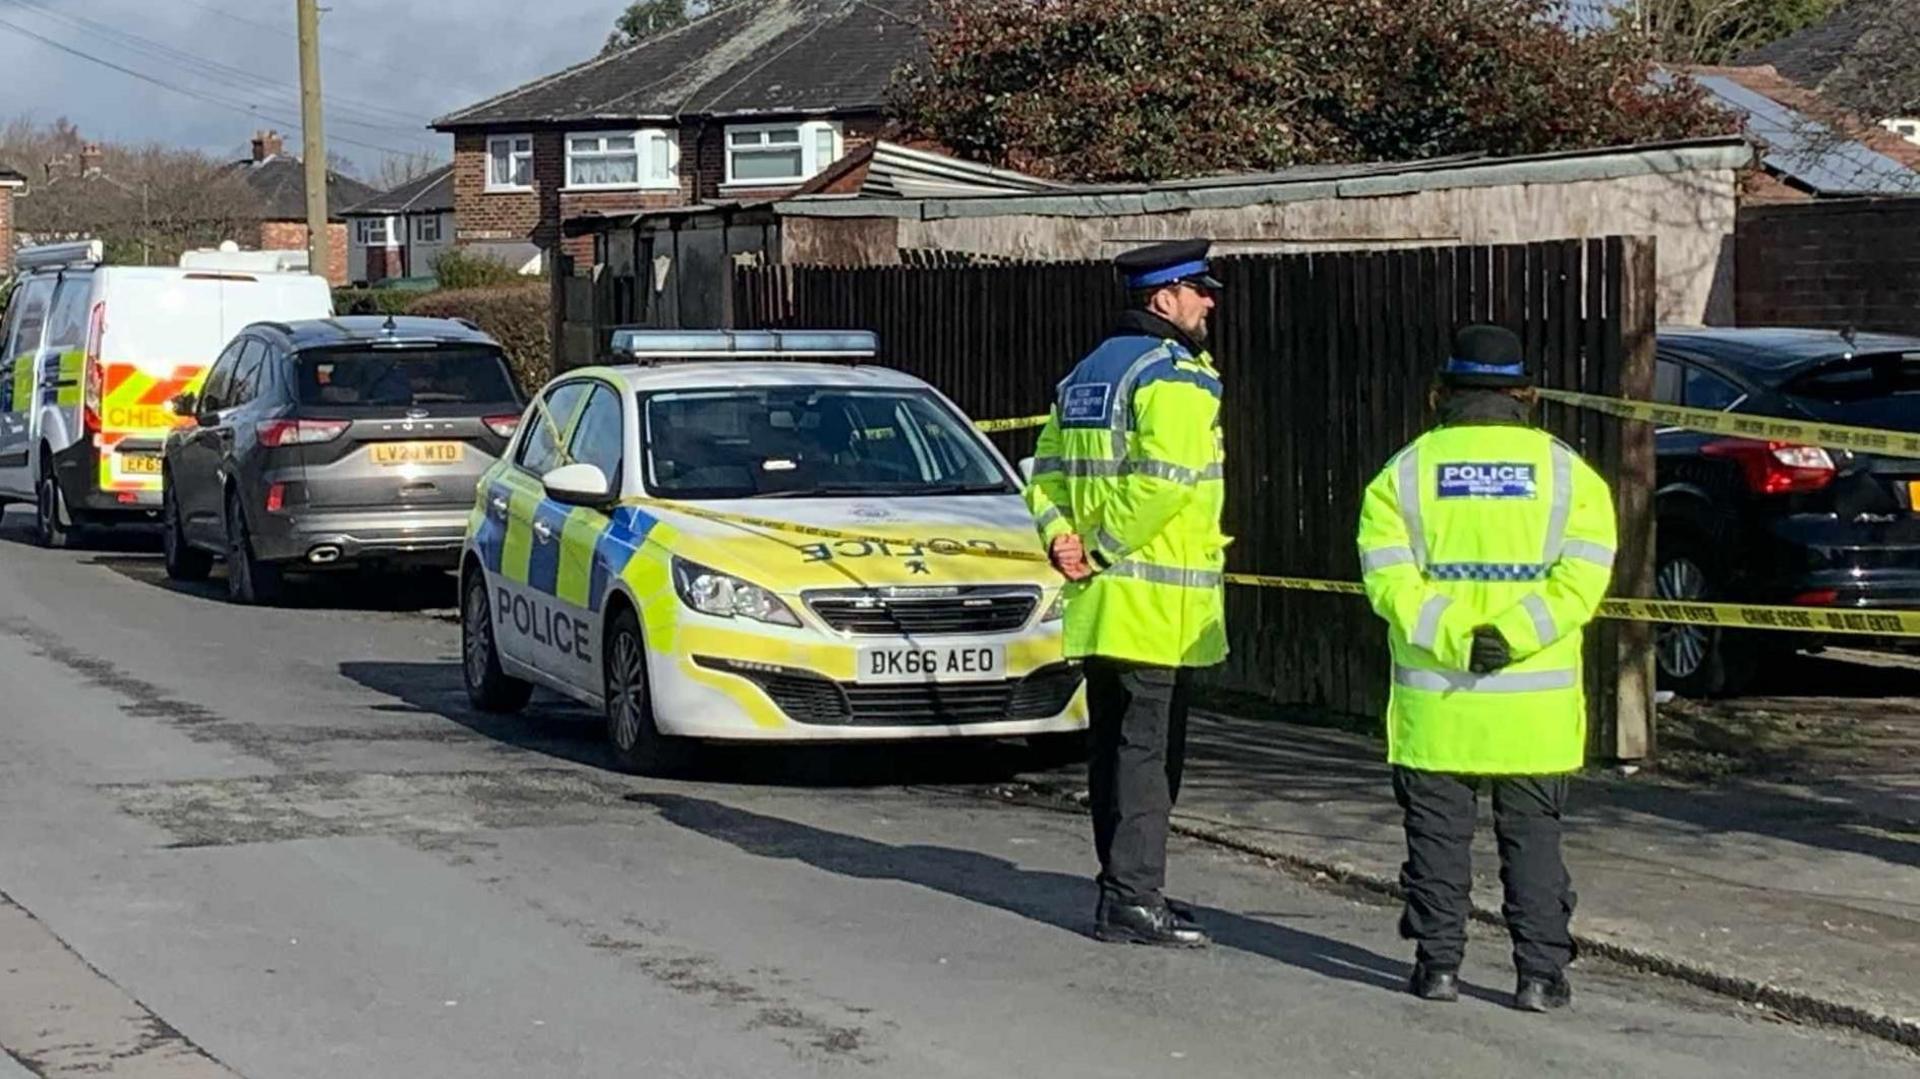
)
(389, 66)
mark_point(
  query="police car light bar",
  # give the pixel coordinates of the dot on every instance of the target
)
(647, 346)
(49, 256)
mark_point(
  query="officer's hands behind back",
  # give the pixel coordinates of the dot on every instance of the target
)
(1490, 651)
(1069, 556)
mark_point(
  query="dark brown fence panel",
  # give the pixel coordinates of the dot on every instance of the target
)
(1327, 360)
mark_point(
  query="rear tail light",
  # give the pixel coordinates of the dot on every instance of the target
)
(1819, 597)
(276, 497)
(95, 379)
(1776, 468)
(504, 426)
(300, 432)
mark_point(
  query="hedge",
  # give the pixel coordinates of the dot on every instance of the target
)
(515, 316)
(373, 301)
(458, 269)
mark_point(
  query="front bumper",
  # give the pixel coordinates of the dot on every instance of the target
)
(734, 685)
(425, 538)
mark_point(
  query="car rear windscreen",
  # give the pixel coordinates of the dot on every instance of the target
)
(1869, 390)
(405, 378)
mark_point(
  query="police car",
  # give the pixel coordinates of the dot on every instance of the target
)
(761, 536)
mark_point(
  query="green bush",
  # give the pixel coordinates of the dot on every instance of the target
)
(515, 316)
(457, 269)
(373, 301)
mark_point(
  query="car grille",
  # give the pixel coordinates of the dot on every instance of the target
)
(811, 699)
(924, 612)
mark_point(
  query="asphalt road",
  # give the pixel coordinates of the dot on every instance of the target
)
(275, 843)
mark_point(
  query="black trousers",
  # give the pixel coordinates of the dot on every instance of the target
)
(1138, 716)
(1438, 874)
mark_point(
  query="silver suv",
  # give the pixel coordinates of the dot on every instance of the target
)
(334, 442)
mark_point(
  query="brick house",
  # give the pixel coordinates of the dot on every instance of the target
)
(11, 184)
(749, 101)
(280, 180)
(400, 232)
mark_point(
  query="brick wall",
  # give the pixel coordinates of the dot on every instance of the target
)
(1830, 265)
(292, 236)
(535, 216)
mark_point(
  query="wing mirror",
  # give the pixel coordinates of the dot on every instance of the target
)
(186, 405)
(579, 485)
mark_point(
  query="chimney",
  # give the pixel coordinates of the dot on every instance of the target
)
(91, 158)
(267, 144)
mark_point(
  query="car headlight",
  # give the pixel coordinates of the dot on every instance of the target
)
(1057, 610)
(726, 596)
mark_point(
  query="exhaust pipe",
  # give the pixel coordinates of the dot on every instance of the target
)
(320, 556)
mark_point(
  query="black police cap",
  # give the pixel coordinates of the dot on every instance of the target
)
(1486, 357)
(1167, 263)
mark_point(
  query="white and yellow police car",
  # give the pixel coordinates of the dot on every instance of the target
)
(762, 536)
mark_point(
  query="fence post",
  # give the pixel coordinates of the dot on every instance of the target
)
(1633, 574)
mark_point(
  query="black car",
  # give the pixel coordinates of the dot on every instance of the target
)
(1777, 523)
(331, 443)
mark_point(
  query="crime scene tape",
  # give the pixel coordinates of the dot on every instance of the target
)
(1023, 424)
(1664, 612)
(1734, 424)
(1739, 425)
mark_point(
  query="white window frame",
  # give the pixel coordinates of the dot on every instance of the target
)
(811, 163)
(513, 153)
(363, 231)
(420, 228)
(643, 141)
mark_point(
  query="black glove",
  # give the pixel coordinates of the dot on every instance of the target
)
(1490, 651)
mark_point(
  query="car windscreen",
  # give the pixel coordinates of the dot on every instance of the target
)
(800, 441)
(386, 378)
(1871, 390)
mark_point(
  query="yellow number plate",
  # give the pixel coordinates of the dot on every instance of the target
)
(417, 453)
(139, 464)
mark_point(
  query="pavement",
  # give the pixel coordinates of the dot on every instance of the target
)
(1802, 896)
(277, 844)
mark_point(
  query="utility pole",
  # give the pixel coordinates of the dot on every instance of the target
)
(313, 130)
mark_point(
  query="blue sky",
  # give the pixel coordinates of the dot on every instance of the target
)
(388, 68)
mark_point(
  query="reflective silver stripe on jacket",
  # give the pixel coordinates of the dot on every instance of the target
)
(1383, 557)
(1180, 578)
(1048, 516)
(1426, 631)
(1588, 551)
(1562, 503)
(1463, 682)
(1123, 398)
(1407, 478)
(1109, 544)
(1543, 623)
(1165, 470)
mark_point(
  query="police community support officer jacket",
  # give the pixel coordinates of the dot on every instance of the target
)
(1487, 525)
(1130, 459)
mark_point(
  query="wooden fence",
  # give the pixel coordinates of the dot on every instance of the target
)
(1327, 360)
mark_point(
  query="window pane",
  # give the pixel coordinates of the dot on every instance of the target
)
(1666, 382)
(786, 136)
(746, 138)
(523, 146)
(586, 146)
(624, 143)
(540, 450)
(767, 165)
(823, 154)
(348, 378)
(605, 170)
(659, 159)
(502, 164)
(1708, 390)
(523, 170)
(597, 437)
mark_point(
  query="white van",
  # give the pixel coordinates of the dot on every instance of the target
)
(91, 357)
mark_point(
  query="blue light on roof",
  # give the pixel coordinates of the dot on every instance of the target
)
(639, 343)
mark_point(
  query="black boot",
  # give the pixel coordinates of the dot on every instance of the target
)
(1538, 994)
(1136, 924)
(1434, 983)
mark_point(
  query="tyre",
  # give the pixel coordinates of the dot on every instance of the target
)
(638, 745)
(1697, 661)
(249, 580)
(49, 505)
(184, 563)
(1058, 750)
(489, 688)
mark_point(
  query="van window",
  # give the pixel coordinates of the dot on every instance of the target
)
(401, 378)
(67, 325)
(27, 329)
